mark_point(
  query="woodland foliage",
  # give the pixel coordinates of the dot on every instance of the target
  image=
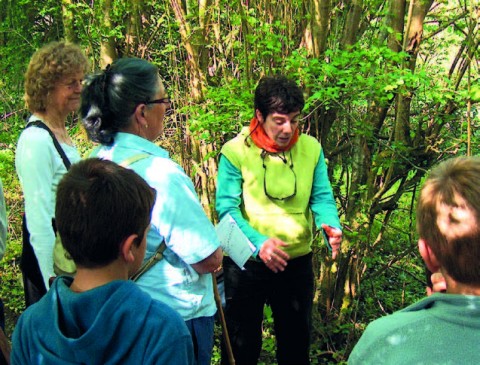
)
(392, 88)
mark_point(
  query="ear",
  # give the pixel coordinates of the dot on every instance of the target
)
(258, 115)
(126, 248)
(428, 256)
(140, 115)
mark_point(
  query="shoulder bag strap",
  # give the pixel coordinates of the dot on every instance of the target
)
(40, 124)
(156, 257)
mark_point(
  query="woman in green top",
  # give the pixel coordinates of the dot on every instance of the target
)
(270, 180)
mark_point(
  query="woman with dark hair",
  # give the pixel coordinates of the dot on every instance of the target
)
(270, 180)
(53, 83)
(123, 108)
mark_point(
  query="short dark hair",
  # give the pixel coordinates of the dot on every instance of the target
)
(99, 204)
(448, 216)
(278, 94)
(109, 97)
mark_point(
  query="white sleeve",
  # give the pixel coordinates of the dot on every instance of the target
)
(36, 163)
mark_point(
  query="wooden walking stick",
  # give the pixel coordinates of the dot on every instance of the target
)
(226, 338)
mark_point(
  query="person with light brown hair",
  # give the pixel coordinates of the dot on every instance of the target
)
(444, 327)
(53, 83)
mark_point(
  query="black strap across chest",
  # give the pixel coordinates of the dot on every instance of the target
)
(61, 152)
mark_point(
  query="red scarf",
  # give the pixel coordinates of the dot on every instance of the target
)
(263, 141)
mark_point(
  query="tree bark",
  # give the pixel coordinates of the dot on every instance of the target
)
(108, 52)
(318, 28)
(68, 21)
(418, 11)
(133, 34)
(197, 63)
(352, 23)
(196, 75)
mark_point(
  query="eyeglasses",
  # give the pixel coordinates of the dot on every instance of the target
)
(159, 101)
(279, 179)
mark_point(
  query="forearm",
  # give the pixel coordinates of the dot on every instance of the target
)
(209, 264)
(42, 244)
(229, 198)
(42, 236)
(36, 166)
(322, 201)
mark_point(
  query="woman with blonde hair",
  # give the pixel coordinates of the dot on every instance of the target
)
(53, 83)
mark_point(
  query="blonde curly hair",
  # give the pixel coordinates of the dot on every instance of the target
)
(48, 65)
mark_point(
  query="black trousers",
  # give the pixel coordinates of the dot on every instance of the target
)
(290, 296)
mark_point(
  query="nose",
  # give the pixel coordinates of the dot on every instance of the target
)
(287, 127)
(78, 86)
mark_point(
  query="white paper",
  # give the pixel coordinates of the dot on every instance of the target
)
(233, 241)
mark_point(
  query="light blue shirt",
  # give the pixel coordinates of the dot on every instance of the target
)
(40, 168)
(177, 217)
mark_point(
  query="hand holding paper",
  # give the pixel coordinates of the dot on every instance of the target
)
(233, 241)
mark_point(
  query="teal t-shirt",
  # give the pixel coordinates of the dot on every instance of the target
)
(440, 329)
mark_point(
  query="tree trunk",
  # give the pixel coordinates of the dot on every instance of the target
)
(197, 63)
(417, 12)
(196, 76)
(395, 20)
(134, 28)
(317, 32)
(68, 21)
(352, 23)
(108, 51)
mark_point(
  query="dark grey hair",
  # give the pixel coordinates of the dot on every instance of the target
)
(109, 98)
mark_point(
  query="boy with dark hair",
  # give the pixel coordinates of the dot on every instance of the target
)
(444, 327)
(99, 317)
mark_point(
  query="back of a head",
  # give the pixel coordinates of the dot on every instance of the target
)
(99, 204)
(448, 215)
(278, 94)
(48, 65)
(109, 97)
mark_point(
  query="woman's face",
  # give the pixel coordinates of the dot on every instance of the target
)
(279, 127)
(65, 97)
(155, 113)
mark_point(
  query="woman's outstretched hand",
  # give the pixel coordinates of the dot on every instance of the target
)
(334, 238)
